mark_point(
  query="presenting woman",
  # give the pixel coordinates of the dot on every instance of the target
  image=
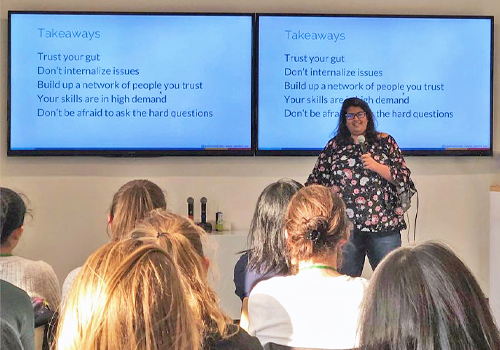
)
(366, 168)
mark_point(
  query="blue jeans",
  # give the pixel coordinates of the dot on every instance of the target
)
(375, 245)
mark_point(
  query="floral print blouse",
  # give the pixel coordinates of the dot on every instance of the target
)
(372, 203)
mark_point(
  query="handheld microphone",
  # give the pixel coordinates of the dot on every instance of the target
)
(203, 202)
(362, 143)
(190, 202)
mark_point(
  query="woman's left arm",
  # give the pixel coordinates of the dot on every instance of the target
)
(396, 171)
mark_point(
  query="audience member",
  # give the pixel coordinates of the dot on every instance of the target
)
(425, 298)
(266, 257)
(16, 317)
(128, 295)
(130, 205)
(36, 278)
(182, 239)
(316, 307)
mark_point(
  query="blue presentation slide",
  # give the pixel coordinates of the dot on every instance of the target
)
(427, 80)
(127, 81)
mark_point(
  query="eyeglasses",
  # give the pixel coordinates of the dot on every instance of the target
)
(360, 115)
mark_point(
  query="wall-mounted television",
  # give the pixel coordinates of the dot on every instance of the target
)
(428, 80)
(126, 84)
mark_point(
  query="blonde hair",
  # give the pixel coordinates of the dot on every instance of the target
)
(316, 223)
(182, 238)
(128, 295)
(131, 204)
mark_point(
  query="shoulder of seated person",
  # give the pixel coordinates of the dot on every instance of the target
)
(383, 135)
(74, 272)
(41, 266)
(45, 265)
(362, 280)
(29, 262)
(355, 280)
(71, 276)
(267, 284)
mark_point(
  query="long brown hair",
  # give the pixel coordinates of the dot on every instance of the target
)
(316, 223)
(425, 298)
(182, 238)
(131, 204)
(265, 238)
(128, 295)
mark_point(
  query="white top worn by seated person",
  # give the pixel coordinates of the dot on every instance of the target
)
(36, 278)
(307, 310)
(68, 284)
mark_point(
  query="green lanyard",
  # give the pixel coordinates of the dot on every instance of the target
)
(2, 255)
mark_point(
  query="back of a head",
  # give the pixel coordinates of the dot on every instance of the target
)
(425, 298)
(316, 223)
(266, 238)
(131, 204)
(182, 239)
(128, 295)
(13, 210)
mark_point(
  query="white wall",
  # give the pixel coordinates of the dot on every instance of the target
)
(70, 196)
(495, 251)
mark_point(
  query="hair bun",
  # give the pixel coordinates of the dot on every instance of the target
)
(318, 230)
(313, 235)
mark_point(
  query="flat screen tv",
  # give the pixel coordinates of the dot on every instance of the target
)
(428, 80)
(130, 84)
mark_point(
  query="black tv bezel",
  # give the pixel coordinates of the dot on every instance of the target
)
(406, 152)
(134, 152)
